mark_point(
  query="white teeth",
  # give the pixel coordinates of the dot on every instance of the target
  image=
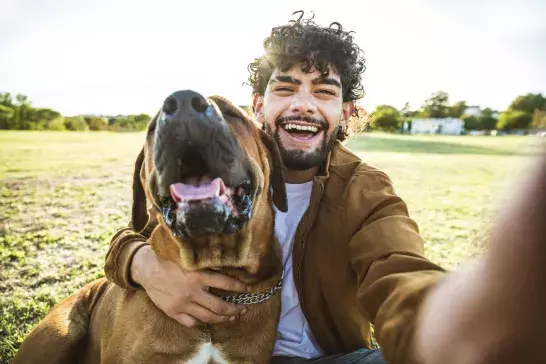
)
(310, 128)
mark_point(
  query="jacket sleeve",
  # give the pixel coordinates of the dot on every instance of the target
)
(123, 246)
(388, 257)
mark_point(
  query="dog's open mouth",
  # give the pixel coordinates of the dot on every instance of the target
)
(206, 206)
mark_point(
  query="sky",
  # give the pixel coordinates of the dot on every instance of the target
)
(125, 56)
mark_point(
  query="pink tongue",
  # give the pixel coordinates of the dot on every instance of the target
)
(181, 192)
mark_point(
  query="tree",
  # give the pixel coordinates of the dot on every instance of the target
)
(514, 119)
(22, 100)
(96, 123)
(529, 103)
(387, 118)
(458, 109)
(17, 113)
(55, 124)
(6, 99)
(6, 117)
(486, 121)
(539, 120)
(470, 122)
(437, 106)
(141, 121)
(75, 123)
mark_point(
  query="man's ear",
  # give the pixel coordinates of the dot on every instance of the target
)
(258, 107)
(348, 110)
(277, 172)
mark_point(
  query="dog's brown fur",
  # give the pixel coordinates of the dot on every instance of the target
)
(103, 323)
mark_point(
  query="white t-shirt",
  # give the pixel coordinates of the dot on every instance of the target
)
(294, 338)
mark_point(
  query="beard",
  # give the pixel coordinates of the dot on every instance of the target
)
(300, 160)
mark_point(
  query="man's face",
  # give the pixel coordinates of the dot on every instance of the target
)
(303, 112)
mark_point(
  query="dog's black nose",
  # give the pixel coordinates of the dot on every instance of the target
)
(199, 103)
(170, 106)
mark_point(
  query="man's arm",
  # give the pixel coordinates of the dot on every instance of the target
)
(181, 295)
(492, 310)
(388, 257)
(123, 247)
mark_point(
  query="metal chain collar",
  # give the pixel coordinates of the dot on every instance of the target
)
(252, 298)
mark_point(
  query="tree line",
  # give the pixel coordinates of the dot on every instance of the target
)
(17, 113)
(524, 113)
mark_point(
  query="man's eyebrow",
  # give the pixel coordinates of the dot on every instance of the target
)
(326, 81)
(286, 79)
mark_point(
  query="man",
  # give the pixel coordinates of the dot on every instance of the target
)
(351, 253)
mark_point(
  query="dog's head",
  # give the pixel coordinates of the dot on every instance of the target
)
(203, 182)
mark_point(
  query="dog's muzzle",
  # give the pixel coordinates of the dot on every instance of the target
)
(202, 176)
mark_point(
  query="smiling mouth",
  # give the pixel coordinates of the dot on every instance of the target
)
(302, 131)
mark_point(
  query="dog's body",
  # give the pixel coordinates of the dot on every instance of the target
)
(103, 323)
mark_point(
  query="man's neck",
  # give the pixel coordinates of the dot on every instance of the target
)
(294, 176)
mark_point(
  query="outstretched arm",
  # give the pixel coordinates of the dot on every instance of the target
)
(493, 310)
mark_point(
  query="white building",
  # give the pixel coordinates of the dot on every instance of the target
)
(449, 126)
(473, 111)
(476, 111)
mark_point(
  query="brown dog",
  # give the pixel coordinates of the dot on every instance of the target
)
(203, 180)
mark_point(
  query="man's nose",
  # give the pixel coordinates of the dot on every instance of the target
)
(303, 103)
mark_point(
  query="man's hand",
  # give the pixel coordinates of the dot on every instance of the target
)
(494, 310)
(183, 295)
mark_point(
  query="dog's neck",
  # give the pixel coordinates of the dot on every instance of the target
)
(252, 255)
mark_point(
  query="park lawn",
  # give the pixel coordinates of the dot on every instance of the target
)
(64, 194)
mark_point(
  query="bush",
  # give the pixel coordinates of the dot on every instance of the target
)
(514, 119)
(386, 118)
(75, 123)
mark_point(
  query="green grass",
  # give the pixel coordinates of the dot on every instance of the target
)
(63, 195)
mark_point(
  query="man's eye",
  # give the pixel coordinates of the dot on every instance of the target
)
(283, 89)
(327, 92)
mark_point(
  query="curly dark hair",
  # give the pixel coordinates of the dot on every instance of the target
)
(303, 41)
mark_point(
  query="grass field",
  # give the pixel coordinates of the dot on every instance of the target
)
(63, 195)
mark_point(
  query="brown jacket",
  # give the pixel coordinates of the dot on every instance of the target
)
(358, 259)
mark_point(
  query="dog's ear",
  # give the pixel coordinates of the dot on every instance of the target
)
(139, 211)
(277, 167)
(277, 172)
(228, 108)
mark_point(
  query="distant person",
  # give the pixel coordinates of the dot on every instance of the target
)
(351, 253)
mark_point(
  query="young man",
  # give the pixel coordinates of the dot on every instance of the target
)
(351, 253)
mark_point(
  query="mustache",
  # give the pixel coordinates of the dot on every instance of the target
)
(308, 119)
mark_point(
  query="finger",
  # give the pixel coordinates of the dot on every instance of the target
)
(217, 305)
(186, 320)
(222, 281)
(207, 316)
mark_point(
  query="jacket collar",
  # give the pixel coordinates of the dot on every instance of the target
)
(340, 161)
